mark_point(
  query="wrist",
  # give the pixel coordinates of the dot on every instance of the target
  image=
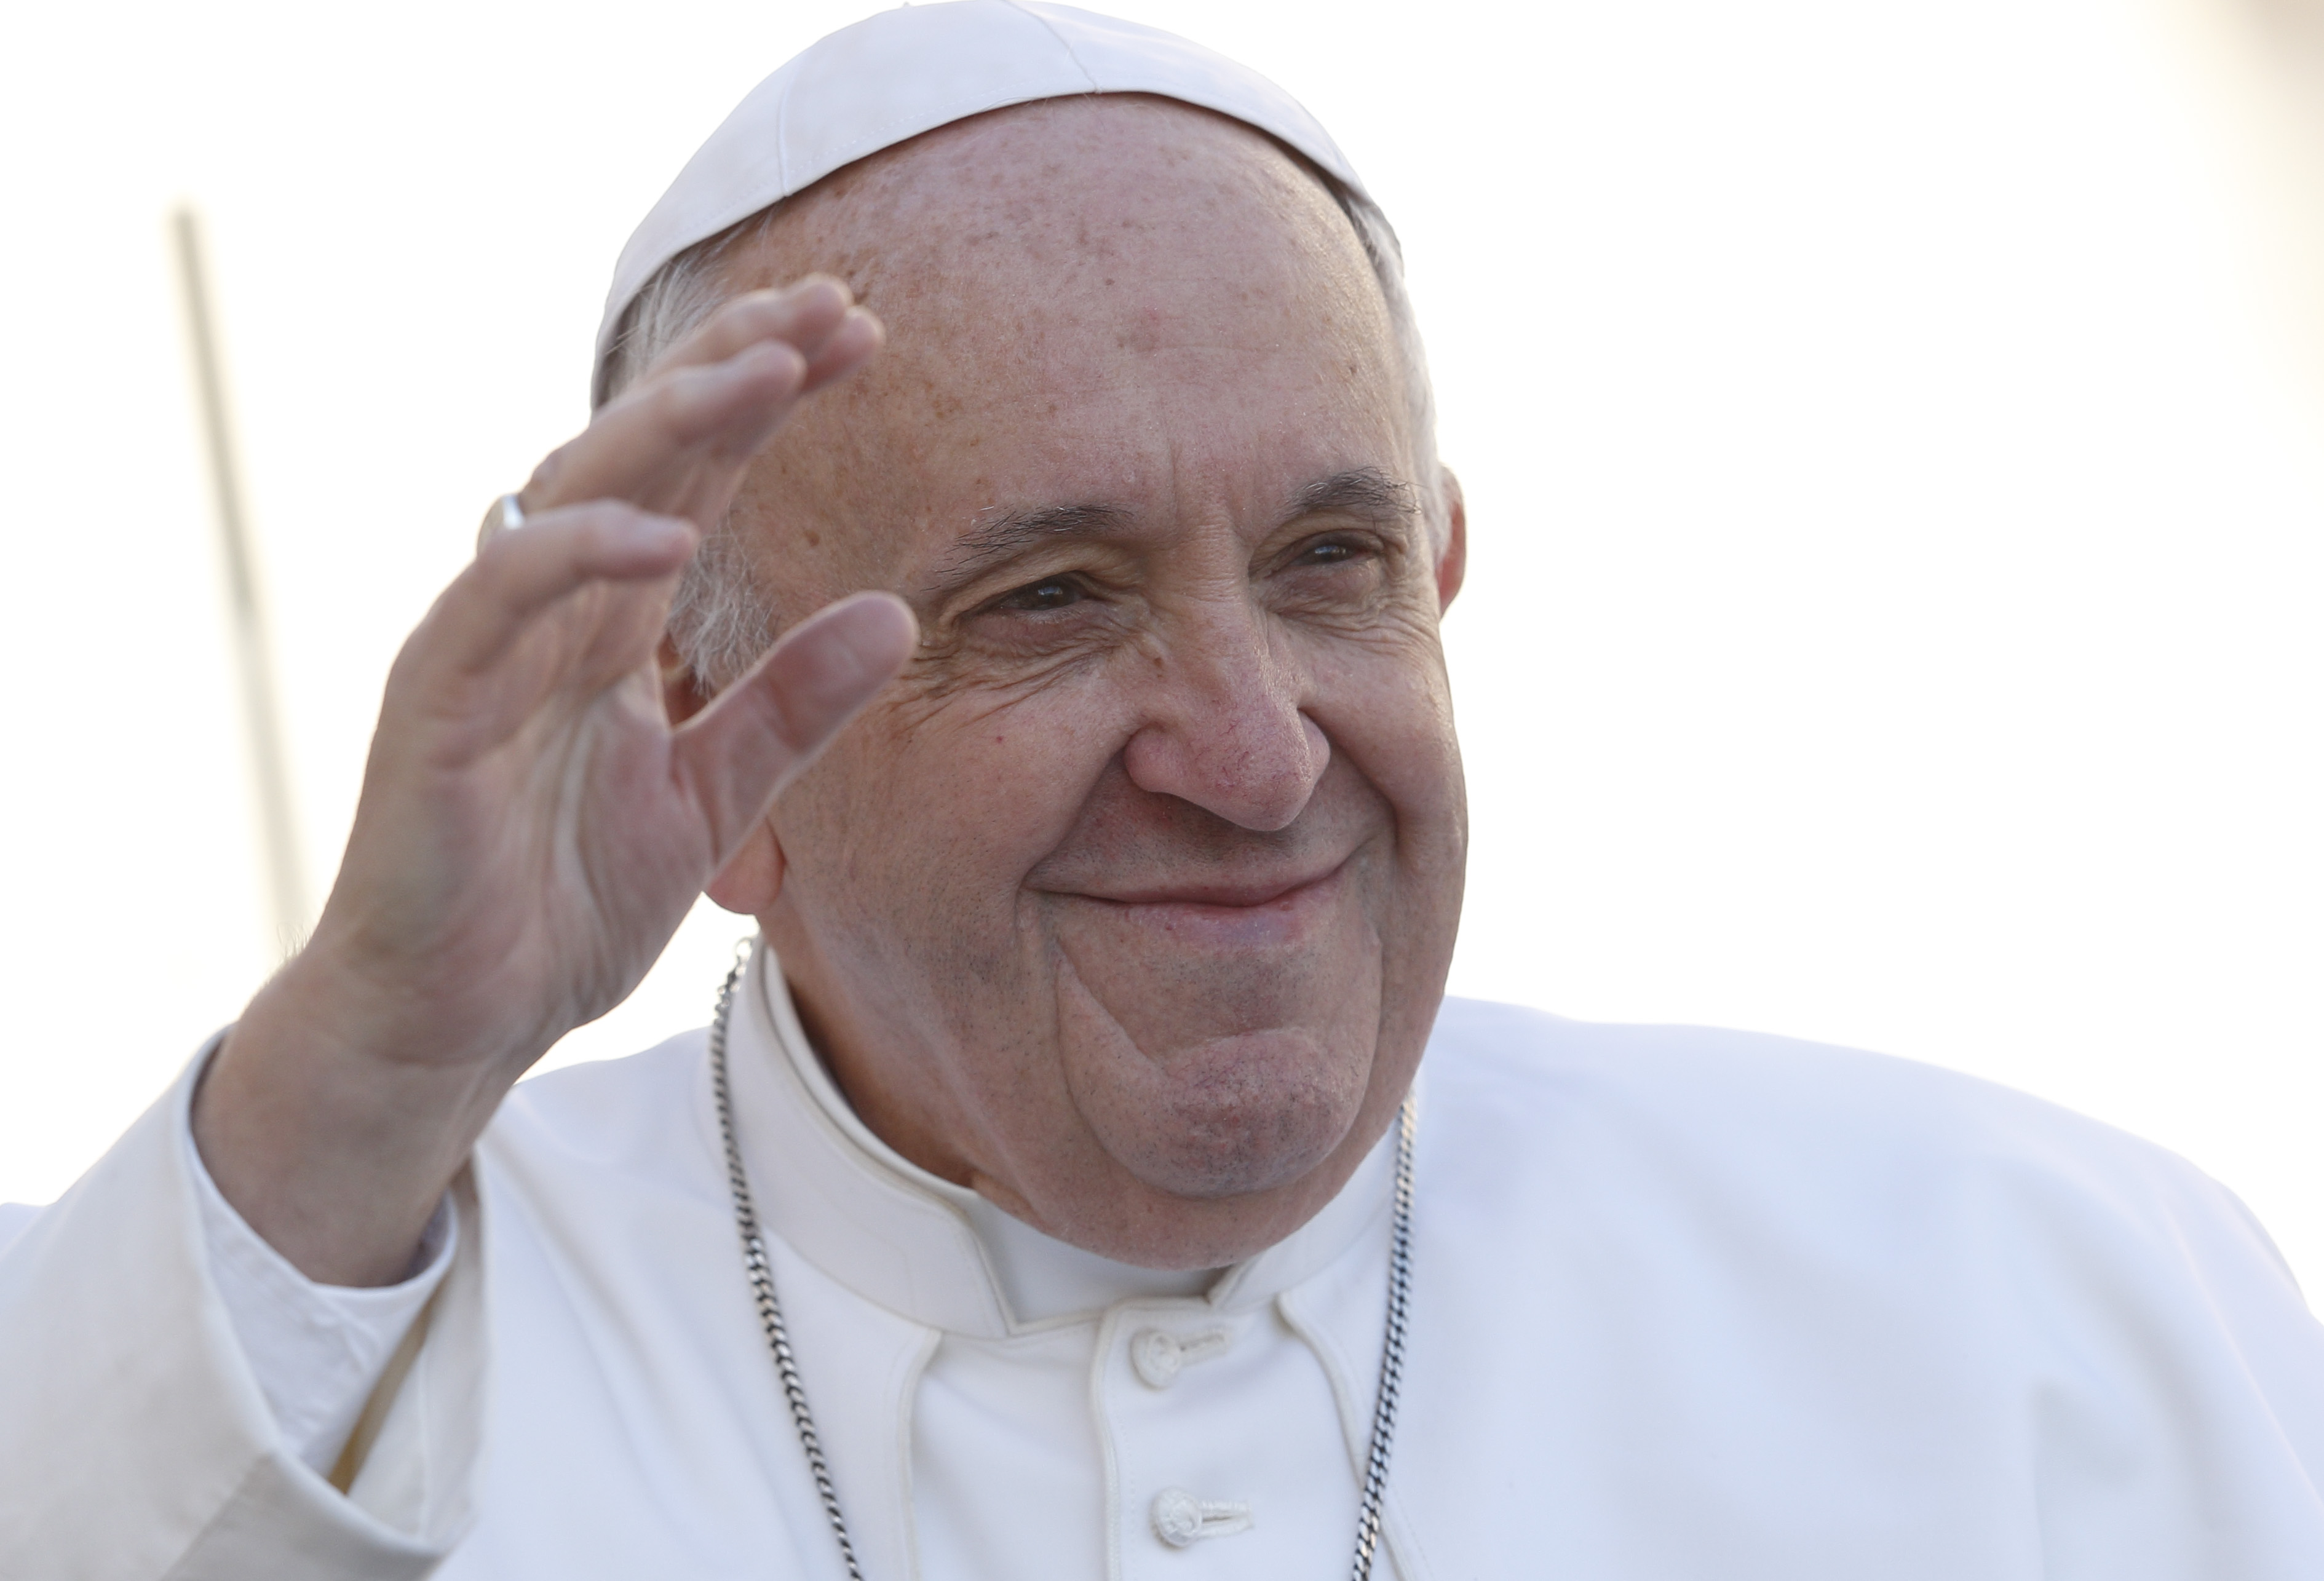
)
(454, 1012)
(334, 1145)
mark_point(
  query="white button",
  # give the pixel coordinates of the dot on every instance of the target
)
(1180, 1518)
(1157, 1356)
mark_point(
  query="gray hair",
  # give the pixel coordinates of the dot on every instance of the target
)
(720, 621)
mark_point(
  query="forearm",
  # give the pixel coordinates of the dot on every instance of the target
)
(333, 1148)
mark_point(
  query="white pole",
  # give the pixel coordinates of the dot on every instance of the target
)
(286, 883)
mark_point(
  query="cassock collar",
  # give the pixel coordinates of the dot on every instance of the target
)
(936, 1253)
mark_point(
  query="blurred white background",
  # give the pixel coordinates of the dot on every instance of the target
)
(1894, 434)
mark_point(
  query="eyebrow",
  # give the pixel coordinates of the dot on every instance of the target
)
(1000, 537)
(1364, 492)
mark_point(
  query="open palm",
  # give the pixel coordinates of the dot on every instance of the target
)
(532, 827)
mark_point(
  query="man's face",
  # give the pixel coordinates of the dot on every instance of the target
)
(1131, 903)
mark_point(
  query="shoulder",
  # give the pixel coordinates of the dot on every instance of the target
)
(1718, 1207)
(1745, 1089)
(1702, 1075)
(1809, 1141)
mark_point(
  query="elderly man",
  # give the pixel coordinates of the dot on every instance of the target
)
(1057, 1193)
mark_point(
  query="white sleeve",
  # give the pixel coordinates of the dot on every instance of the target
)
(317, 1350)
(137, 1439)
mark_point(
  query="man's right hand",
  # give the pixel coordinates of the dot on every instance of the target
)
(533, 829)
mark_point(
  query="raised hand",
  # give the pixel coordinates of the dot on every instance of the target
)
(533, 829)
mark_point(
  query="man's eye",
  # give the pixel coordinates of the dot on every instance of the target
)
(1054, 593)
(1327, 553)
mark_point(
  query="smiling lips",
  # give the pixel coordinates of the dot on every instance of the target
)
(1261, 911)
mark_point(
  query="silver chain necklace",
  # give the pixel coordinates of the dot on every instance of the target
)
(778, 1339)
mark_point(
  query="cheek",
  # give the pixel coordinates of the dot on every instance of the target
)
(946, 806)
(1388, 710)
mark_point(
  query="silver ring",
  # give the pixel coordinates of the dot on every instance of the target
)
(505, 516)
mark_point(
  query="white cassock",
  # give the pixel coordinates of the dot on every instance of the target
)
(1685, 1304)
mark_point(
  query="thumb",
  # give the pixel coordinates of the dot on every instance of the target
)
(763, 729)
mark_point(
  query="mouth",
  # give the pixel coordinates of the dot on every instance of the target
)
(1237, 896)
(1263, 909)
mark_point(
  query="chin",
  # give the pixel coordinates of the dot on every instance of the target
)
(1233, 1117)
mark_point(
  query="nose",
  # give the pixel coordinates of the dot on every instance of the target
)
(1225, 728)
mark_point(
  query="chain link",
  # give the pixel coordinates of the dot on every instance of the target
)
(755, 1265)
(1391, 1378)
(762, 1277)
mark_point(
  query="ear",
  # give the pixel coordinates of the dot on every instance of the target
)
(754, 876)
(1452, 560)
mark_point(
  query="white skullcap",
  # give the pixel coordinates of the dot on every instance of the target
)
(891, 77)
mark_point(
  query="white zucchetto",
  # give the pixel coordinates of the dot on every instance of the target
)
(892, 77)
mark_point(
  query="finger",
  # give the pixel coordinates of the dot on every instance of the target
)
(817, 317)
(738, 752)
(848, 347)
(648, 446)
(637, 448)
(722, 407)
(518, 574)
(801, 315)
(716, 415)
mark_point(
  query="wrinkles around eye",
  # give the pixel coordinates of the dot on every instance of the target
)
(1044, 619)
(1050, 593)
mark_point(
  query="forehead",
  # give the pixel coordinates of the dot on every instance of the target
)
(1081, 295)
(1068, 186)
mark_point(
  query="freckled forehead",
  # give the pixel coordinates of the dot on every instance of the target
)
(1117, 301)
(1080, 218)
